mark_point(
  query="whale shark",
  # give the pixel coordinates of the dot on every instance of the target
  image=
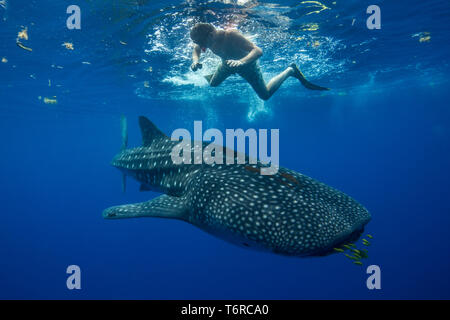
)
(286, 213)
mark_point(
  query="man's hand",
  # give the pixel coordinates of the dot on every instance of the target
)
(196, 65)
(234, 63)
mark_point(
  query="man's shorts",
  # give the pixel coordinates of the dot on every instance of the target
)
(250, 72)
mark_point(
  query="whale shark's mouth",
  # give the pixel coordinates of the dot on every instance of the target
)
(352, 237)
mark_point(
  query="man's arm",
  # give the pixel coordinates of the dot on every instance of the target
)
(195, 57)
(244, 44)
(253, 55)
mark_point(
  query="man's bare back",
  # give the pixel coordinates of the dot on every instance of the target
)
(231, 45)
(239, 55)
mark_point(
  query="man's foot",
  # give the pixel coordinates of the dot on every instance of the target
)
(299, 75)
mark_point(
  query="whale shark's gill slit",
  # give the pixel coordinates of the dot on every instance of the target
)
(290, 177)
(252, 169)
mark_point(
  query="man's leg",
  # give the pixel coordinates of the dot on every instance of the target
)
(255, 79)
(219, 76)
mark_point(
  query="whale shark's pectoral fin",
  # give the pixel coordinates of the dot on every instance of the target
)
(162, 207)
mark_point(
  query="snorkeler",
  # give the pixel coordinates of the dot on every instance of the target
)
(239, 55)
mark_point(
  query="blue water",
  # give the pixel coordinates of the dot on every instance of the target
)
(380, 135)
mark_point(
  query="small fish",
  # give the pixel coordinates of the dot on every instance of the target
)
(351, 257)
(356, 251)
(364, 255)
(338, 249)
(347, 246)
(369, 236)
(359, 263)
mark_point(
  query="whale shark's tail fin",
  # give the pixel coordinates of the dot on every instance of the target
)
(124, 131)
(162, 207)
(149, 132)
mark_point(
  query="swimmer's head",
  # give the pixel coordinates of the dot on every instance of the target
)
(202, 33)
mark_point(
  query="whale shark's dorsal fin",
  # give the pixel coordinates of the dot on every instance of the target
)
(149, 131)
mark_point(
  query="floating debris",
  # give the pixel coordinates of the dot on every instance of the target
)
(23, 47)
(149, 69)
(310, 27)
(423, 36)
(50, 101)
(68, 45)
(23, 34)
(146, 84)
(4, 60)
(425, 39)
(123, 43)
(353, 22)
(315, 4)
(49, 83)
(316, 44)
